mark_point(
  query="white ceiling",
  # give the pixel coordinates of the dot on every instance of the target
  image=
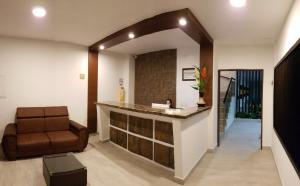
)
(168, 39)
(86, 21)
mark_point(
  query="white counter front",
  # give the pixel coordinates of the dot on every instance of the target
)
(189, 143)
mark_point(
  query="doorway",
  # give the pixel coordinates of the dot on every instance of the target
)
(240, 102)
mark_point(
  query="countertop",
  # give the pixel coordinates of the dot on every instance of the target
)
(174, 113)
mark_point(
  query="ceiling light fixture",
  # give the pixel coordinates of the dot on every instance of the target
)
(238, 3)
(131, 35)
(101, 47)
(39, 11)
(182, 21)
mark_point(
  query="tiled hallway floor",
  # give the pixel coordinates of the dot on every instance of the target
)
(238, 162)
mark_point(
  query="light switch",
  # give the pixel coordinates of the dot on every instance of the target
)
(82, 76)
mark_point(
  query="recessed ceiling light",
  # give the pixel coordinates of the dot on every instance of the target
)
(39, 11)
(131, 35)
(182, 21)
(238, 3)
(101, 47)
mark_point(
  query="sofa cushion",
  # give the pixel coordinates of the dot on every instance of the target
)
(56, 111)
(30, 125)
(62, 139)
(30, 112)
(56, 123)
(33, 142)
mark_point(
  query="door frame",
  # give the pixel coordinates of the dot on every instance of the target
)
(262, 104)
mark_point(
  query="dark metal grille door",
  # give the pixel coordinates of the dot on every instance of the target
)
(249, 93)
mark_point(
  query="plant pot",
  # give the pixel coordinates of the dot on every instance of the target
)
(201, 102)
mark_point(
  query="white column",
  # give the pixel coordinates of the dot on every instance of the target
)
(103, 123)
(178, 159)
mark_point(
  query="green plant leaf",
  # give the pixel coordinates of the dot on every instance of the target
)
(195, 87)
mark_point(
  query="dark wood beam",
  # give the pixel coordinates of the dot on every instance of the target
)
(92, 91)
(206, 59)
(161, 22)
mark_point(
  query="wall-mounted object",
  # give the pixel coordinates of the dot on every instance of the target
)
(82, 76)
(121, 82)
(286, 104)
(188, 74)
(2, 87)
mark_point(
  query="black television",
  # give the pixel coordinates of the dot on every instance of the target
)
(287, 104)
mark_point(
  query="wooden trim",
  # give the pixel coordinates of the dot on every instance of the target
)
(92, 91)
(218, 112)
(262, 105)
(161, 22)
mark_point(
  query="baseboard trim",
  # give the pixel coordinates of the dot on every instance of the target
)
(104, 141)
(181, 181)
(212, 150)
(266, 148)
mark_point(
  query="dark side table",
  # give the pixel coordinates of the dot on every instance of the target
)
(64, 170)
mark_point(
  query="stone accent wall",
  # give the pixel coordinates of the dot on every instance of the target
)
(155, 77)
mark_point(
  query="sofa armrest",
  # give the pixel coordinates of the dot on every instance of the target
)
(82, 132)
(9, 141)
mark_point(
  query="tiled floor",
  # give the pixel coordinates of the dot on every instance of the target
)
(237, 162)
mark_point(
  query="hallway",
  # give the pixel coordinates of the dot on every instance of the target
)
(238, 161)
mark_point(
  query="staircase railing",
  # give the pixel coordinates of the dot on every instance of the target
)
(230, 92)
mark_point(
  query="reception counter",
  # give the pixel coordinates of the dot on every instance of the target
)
(175, 139)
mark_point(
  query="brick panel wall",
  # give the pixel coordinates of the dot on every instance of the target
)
(155, 77)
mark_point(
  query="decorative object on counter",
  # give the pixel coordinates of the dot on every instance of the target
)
(170, 103)
(122, 91)
(160, 106)
(201, 77)
(188, 74)
(122, 94)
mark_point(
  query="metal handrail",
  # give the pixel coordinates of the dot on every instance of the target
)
(228, 89)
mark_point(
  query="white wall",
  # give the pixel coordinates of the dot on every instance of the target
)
(229, 74)
(186, 96)
(249, 57)
(288, 37)
(113, 66)
(290, 32)
(42, 73)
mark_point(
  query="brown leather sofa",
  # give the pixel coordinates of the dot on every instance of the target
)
(43, 130)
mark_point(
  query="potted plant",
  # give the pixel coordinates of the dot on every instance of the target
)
(201, 77)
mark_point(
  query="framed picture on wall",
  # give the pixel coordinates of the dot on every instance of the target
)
(188, 74)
